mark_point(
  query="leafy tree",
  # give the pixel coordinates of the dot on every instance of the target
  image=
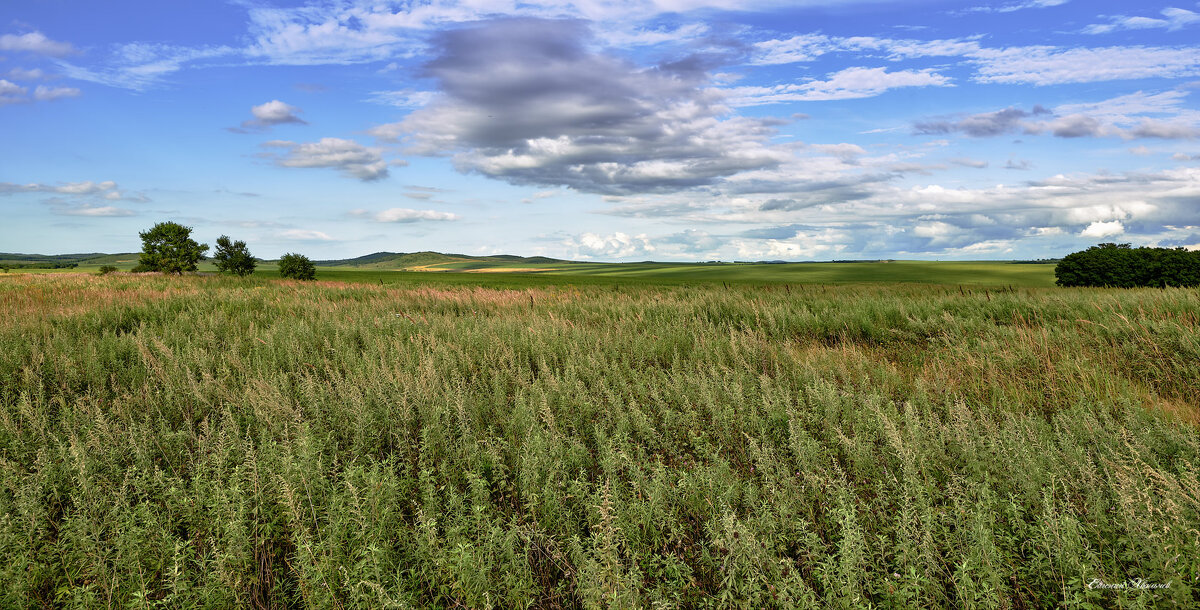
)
(106, 269)
(1121, 266)
(297, 267)
(169, 248)
(233, 257)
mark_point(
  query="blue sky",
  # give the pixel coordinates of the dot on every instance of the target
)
(603, 129)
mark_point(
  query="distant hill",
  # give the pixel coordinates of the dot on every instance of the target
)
(378, 260)
(84, 259)
(403, 260)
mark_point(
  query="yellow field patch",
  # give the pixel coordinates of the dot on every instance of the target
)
(510, 270)
(437, 268)
(433, 267)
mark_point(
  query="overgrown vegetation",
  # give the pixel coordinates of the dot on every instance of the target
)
(221, 442)
(1121, 266)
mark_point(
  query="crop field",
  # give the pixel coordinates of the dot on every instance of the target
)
(381, 439)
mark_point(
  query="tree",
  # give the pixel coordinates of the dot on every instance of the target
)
(169, 248)
(1121, 266)
(233, 257)
(297, 267)
(106, 269)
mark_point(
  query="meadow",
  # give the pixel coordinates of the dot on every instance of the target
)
(395, 440)
(435, 268)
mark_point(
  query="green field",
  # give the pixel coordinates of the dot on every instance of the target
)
(430, 267)
(762, 436)
(997, 274)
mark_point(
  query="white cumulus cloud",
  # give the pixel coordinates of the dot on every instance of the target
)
(35, 42)
(1103, 229)
(271, 113)
(612, 246)
(347, 156)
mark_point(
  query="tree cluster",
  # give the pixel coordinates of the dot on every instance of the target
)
(1122, 266)
(167, 247)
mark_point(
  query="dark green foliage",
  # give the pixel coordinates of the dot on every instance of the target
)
(41, 265)
(297, 267)
(1120, 266)
(106, 269)
(233, 257)
(168, 247)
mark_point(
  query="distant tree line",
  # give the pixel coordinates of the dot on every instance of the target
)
(40, 265)
(1122, 266)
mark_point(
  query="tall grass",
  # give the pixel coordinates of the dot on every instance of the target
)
(215, 442)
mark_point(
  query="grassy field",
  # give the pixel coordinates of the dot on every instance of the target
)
(526, 440)
(985, 273)
(969, 273)
(924, 272)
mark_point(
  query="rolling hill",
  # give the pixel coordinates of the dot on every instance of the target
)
(509, 269)
(434, 261)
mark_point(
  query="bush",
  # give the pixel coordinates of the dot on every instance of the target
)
(107, 269)
(297, 267)
(233, 257)
(1121, 266)
(169, 248)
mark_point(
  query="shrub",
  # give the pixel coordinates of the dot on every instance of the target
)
(297, 267)
(107, 269)
(233, 257)
(169, 248)
(1121, 266)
